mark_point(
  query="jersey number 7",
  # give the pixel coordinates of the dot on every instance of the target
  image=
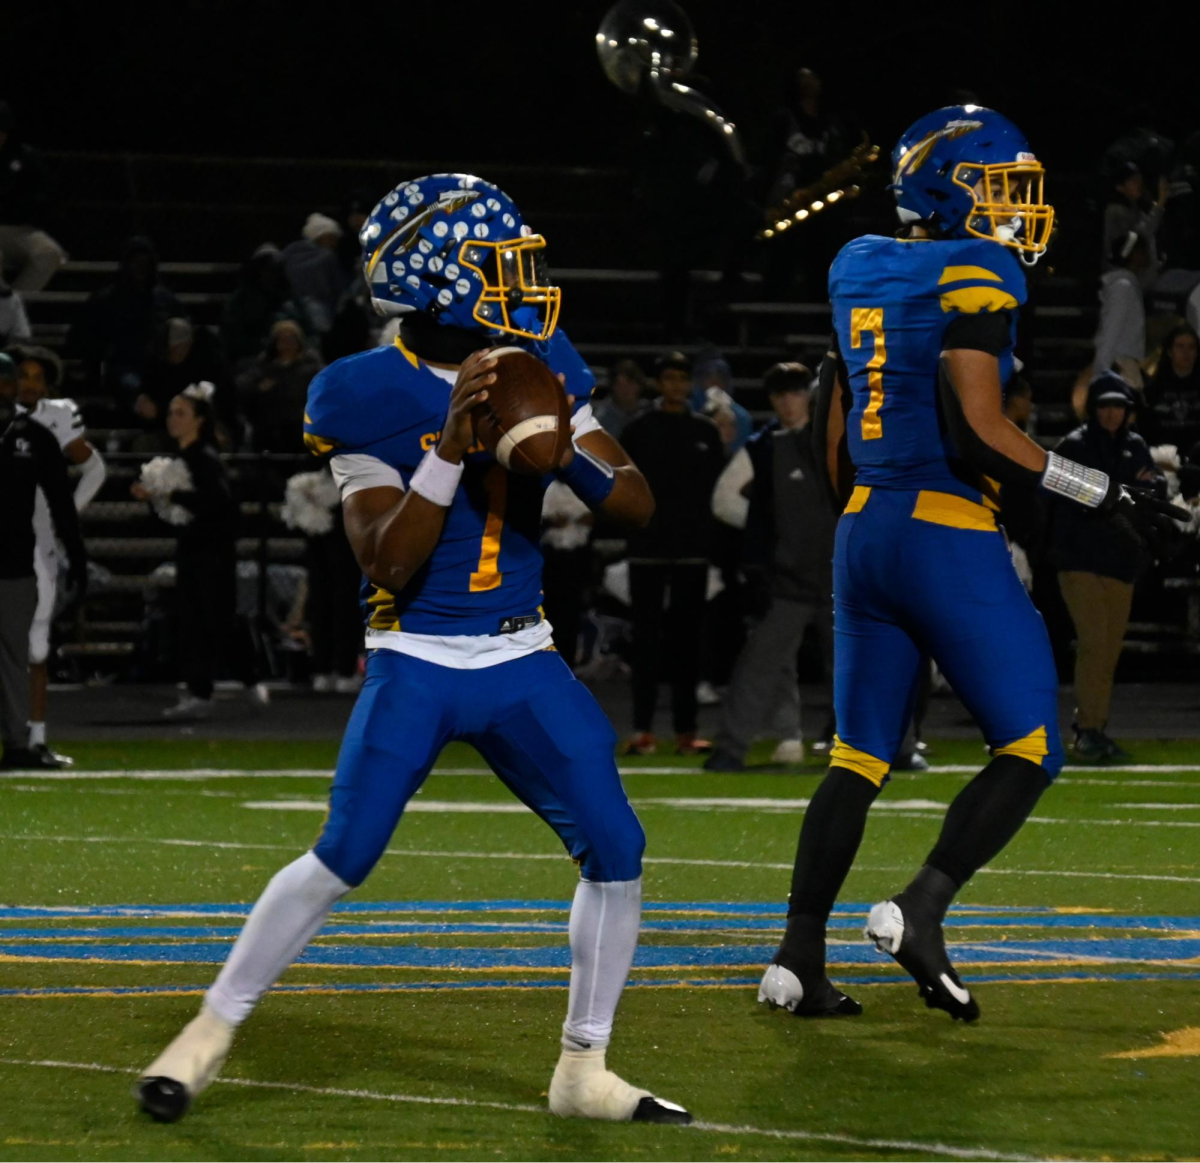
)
(870, 320)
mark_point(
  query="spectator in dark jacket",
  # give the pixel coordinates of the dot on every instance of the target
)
(184, 355)
(681, 456)
(787, 555)
(626, 399)
(1098, 563)
(274, 388)
(30, 252)
(115, 335)
(316, 277)
(1174, 392)
(263, 297)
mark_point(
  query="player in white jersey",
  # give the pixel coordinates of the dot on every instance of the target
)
(38, 373)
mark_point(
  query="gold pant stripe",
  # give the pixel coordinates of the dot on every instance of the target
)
(870, 768)
(1033, 747)
(957, 512)
(858, 499)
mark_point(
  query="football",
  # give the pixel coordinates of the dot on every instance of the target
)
(525, 420)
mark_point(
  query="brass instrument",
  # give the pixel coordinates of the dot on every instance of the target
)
(832, 186)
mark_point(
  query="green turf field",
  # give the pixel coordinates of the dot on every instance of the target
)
(423, 1023)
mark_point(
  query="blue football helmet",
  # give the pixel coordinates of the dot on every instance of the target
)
(455, 247)
(968, 171)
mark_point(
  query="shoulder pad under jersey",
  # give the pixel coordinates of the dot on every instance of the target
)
(359, 400)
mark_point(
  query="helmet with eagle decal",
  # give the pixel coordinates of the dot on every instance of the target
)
(966, 171)
(455, 248)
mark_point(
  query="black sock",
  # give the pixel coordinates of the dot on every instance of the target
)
(829, 839)
(931, 891)
(986, 815)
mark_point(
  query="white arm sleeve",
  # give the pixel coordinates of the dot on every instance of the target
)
(583, 422)
(728, 503)
(355, 471)
(91, 476)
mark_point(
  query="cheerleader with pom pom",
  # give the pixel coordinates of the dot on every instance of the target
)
(313, 507)
(191, 493)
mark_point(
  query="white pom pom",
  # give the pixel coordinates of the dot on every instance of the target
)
(161, 477)
(309, 502)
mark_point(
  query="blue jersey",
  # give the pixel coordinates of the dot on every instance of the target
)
(485, 573)
(892, 302)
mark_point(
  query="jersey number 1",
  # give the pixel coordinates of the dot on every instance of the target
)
(487, 575)
(870, 320)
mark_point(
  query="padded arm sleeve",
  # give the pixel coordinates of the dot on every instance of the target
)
(987, 331)
(972, 447)
(831, 390)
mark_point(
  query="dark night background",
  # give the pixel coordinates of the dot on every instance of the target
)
(468, 82)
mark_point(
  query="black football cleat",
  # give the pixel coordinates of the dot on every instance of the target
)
(721, 760)
(50, 757)
(782, 989)
(29, 759)
(918, 946)
(658, 1110)
(164, 1099)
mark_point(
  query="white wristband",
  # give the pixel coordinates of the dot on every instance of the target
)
(1076, 482)
(436, 479)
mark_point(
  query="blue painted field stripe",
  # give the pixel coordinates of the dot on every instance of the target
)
(1084, 977)
(552, 928)
(733, 908)
(553, 957)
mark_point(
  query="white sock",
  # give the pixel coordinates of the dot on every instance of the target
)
(286, 917)
(604, 933)
(37, 734)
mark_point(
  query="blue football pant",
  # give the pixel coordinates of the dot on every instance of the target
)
(537, 727)
(904, 588)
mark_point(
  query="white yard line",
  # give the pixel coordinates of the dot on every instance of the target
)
(205, 773)
(443, 854)
(917, 1148)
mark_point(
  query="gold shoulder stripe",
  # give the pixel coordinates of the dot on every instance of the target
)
(961, 274)
(318, 445)
(974, 300)
(408, 355)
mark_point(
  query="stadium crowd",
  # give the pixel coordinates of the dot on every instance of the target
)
(730, 583)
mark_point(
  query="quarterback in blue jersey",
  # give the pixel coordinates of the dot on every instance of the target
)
(448, 541)
(912, 430)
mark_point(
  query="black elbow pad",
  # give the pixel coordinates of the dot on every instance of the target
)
(971, 447)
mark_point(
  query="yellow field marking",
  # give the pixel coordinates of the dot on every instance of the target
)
(331, 990)
(1183, 1043)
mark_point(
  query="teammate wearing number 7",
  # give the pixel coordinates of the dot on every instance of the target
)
(910, 425)
(448, 541)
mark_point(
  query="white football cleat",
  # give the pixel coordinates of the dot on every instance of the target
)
(788, 751)
(780, 987)
(189, 707)
(583, 1088)
(917, 944)
(185, 1067)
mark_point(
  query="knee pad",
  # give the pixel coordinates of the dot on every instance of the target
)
(614, 852)
(352, 841)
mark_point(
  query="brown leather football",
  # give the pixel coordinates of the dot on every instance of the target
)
(525, 420)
